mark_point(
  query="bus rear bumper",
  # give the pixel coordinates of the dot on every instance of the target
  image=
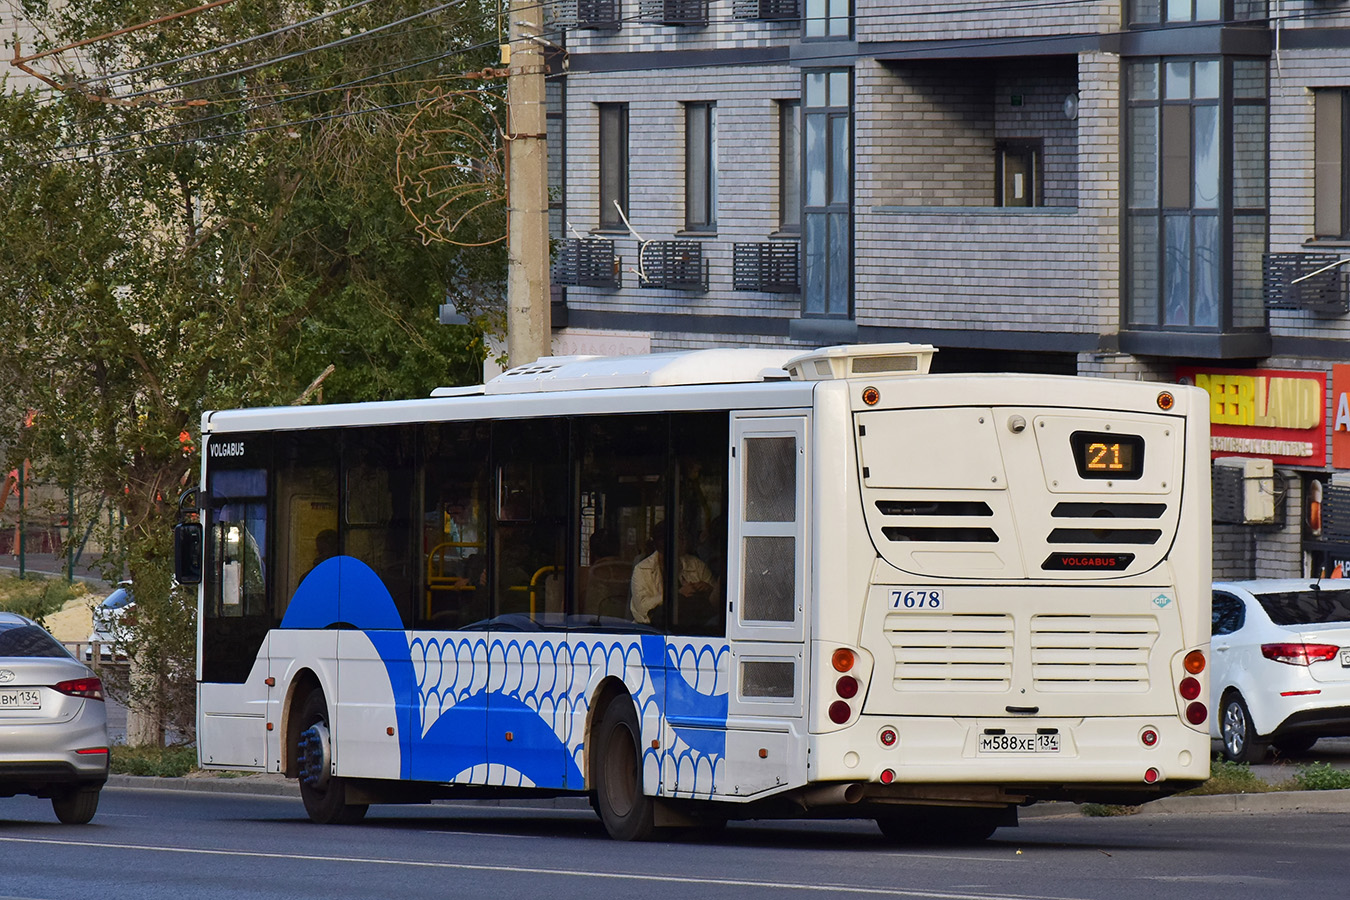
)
(1117, 759)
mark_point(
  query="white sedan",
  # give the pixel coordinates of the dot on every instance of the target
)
(1281, 665)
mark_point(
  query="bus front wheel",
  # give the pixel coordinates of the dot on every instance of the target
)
(627, 813)
(324, 794)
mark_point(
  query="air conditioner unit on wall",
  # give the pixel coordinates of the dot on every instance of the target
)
(1244, 491)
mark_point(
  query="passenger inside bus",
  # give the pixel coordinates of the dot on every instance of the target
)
(695, 583)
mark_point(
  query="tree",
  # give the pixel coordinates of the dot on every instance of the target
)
(218, 243)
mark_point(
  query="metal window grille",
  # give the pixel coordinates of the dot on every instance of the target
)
(677, 265)
(1290, 283)
(771, 267)
(768, 10)
(674, 12)
(586, 262)
(590, 15)
(1336, 513)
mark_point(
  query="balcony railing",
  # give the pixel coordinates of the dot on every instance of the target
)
(586, 262)
(769, 267)
(675, 265)
(1314, 282)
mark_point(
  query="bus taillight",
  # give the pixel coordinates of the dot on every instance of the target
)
(1194, 663)
(1189, 688)
(1196, 713)
(843, 659)
(840, 712)
(846, 687)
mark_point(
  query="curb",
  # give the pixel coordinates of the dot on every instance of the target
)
(1247, 804)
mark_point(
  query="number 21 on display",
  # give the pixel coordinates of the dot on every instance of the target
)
(916, 598)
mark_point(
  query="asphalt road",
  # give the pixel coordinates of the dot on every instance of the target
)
(148, 844)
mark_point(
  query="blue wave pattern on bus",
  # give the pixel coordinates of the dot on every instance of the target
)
(471, 685)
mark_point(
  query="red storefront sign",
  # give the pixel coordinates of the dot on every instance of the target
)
(1340, 429)
(1270, 413)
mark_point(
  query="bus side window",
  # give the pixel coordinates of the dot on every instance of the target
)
(622, 466)
(528, 571)
(700, 445)
(454, 527)
(378, 496)
(307, 508)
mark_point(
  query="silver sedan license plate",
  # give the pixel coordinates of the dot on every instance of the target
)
(20, 698)
(1019, 743)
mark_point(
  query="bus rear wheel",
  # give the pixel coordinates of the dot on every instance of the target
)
(324, 794)
(937, 825)
(627, 813)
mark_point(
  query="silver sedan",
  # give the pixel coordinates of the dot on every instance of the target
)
(53, 722)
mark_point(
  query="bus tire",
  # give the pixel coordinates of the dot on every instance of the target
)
(627, 813)
(937, 825)
(324, 795)
(1241, 743)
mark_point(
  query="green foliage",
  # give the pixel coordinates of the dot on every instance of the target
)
(163, 762)
(36, 596)
(1321, 777)
(1230, 778)
(1103, 810)
(220, 244)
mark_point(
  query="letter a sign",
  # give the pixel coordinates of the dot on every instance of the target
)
(1340, 428)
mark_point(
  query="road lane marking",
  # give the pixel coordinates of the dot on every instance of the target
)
(533, 870)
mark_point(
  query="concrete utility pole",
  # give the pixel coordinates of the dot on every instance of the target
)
(527, 288)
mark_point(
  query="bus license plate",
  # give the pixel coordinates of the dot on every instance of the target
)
(1019, 743)
(24, 698)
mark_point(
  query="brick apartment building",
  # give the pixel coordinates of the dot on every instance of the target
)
(1138, 189)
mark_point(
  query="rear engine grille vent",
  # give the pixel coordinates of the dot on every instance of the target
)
(1109, 510)
(1108, 654)
(940, 535)
(934, 508)
(1104, 536)
(964, 652)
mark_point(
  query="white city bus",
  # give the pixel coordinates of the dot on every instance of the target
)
(710, 585)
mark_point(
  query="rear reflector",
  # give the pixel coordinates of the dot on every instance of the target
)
(1151, 776)
(88, 751)
(1299, 693)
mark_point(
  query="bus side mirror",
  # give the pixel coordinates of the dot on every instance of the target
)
(187, 552)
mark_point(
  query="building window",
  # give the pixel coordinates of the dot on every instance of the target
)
(1017, 174)
(700, 166)
(1170, 12)
(827, 206)
(829, 18)
(790, 166)
(1196, 214)
(1332, 186)
(613, 164)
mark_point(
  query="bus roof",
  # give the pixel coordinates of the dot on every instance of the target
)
(691, 367)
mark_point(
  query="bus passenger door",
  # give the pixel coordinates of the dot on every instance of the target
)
(766, 617)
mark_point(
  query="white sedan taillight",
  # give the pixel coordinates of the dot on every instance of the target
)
(1299, 654)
